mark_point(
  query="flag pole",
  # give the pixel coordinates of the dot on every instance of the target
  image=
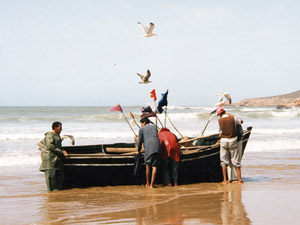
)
(156, 114)
(130, 113)
(155, 111)
(166, 116)
(119, 109)
(129, 124)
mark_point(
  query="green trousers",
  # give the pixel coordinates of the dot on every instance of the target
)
(54, 179)
(169, 167)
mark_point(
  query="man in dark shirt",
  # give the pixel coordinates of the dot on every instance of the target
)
(148, 135)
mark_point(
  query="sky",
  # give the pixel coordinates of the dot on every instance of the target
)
(88, 52)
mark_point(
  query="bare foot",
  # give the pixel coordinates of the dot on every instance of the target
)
(152, 186)
(241, 181)
(224, 182)
(147, 185)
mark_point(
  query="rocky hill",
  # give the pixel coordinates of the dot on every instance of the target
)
(281, 101)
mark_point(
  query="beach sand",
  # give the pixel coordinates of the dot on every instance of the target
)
(268, 196)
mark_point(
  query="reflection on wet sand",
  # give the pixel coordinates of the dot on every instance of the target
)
(188, 204)
(232, 208)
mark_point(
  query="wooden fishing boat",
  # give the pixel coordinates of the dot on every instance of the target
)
(113, 164)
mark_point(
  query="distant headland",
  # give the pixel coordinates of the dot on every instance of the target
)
(280, 101)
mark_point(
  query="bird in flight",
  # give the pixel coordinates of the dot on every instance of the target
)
(147, 30)
(222, 102)
(145, 80)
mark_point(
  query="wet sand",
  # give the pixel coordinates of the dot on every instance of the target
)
(270, 195)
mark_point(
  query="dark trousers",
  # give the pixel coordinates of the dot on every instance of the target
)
(54, 179)
(169, 167)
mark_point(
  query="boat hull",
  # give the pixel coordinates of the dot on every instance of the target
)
(103, 165)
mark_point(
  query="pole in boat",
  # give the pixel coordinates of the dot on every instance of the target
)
(159, 121)
(132, 116)
(119, 108)
(129, 124)
(153, 95)
(165, 116)
(212, 115)
(175, 127)
(163, 102)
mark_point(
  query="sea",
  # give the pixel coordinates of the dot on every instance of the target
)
(271, 169)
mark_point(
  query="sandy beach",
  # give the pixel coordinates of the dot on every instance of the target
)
(270, 195)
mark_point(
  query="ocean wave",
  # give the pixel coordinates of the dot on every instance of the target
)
(286, 114)
(257, 109)
(115, 131)
(272, 146)
(76, 134)
(174, 107)
(174, 112)
(268, 114)
(20, 160)
(180, 116)
(276, 131)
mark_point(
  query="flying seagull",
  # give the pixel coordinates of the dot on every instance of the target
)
(221, 99)
(147, 30)
(145, 80)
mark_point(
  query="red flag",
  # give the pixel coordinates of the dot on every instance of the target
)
(153, 94)
(117, 108)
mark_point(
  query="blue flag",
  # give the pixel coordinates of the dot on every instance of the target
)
(162, 102)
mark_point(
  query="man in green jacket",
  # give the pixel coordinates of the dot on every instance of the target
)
(52, 155)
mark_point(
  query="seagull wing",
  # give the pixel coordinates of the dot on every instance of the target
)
(148, 75)
(150, 28)
(228, 97)
(144, 27)
(141, 76)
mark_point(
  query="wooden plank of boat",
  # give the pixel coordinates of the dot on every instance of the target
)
(187, 140)
(120, 150)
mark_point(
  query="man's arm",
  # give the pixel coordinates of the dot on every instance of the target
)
(50, 144)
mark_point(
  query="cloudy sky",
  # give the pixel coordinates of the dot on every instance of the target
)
(87, 52)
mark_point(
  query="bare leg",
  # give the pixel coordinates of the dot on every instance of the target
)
(147, 175)
(239, 173)
(153, 176)
(224, 170)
